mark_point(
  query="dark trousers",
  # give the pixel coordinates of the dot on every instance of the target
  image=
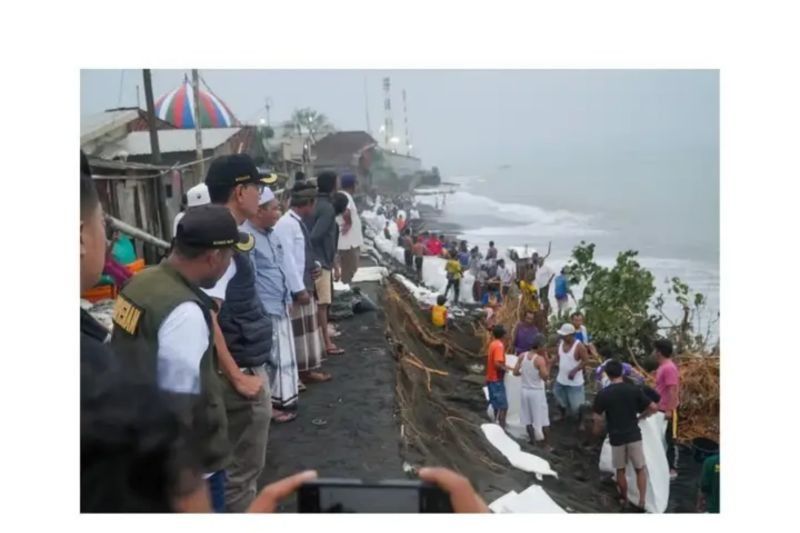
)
(456, 284)
(476, 291)
(409, 258)
(216, 489)
(418, 264)
(670, 446)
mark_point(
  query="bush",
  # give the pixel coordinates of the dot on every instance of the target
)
(620, 305)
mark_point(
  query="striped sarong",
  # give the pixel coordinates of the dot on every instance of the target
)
(307, 336)
(283, 380)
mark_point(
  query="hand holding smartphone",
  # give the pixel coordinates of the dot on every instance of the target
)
(354, 496)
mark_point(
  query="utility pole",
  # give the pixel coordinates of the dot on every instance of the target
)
(198, 129)
(405, 120)
(366, 105)
(388, 133)
(156, 155)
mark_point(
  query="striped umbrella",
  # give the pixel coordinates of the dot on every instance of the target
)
(177, 108)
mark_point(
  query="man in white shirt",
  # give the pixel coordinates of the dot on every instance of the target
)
(196, 196)
(302, 272)
(351, 237)
(505, 276)
(544, 275)
(162, 329)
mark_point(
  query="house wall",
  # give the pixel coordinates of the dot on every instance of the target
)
(403, 165)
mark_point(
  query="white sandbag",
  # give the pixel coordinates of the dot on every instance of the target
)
(657, 497)
(513, 385)
(371, 273)
(503, 503)
(532, 500)
(512, 451)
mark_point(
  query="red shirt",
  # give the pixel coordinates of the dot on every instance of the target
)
(435, 247)
(497, 354)
(666, 376)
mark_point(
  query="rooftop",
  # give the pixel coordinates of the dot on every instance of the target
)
(339, 148)
(169, 141)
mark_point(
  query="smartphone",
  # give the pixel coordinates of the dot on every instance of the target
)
(355, 496)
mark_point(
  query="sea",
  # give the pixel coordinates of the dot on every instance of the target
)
(672, 220)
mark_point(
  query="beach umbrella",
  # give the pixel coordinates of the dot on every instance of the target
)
(177, 108)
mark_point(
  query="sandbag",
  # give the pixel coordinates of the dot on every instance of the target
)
(513, 385)
(363, 304)
(657, 497)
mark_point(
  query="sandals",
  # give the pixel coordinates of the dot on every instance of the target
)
(318, 377)
(283, 417)
(335, 351)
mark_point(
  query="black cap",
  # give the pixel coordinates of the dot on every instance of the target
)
(212, 226)
(230, 170)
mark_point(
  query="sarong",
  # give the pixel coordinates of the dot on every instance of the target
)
(283, 380)
(307, 336)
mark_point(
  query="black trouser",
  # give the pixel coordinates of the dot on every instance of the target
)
(456, 284)
(670, 446)
(409, 258)
(418, 264)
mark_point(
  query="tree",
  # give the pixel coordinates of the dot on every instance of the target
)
(619, 302)
(307, 122)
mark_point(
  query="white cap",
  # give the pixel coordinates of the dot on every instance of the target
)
(566, 329)
(266, 196)
(197, 195)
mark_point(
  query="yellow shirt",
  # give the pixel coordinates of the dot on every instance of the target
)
(453, 268)
(439, 315)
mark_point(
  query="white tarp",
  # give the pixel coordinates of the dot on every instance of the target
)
(532, 500)
(512, 451)
(657, 497)
(513, 385)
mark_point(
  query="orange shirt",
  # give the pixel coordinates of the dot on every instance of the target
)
(497, 354)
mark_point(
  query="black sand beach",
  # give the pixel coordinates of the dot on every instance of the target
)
(378, 413)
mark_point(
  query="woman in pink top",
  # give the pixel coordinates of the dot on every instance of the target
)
(668, 386)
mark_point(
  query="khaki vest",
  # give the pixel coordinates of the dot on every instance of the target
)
(144, 303)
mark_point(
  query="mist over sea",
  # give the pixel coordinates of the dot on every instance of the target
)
(670, 216)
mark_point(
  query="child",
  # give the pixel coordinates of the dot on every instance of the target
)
(387, 233)
(453, 268)
(495, 372)
(534, 367)
(439, 312)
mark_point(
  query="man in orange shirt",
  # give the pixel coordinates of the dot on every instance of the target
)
(495, 372)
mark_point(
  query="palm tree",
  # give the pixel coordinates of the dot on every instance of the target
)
(308, 122)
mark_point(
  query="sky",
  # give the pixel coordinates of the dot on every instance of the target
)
(468, 122)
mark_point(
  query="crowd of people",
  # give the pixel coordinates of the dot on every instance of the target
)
(214, 344)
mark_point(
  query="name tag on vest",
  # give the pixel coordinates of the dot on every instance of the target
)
(126, 315)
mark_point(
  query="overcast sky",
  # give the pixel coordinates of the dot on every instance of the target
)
(468, 122)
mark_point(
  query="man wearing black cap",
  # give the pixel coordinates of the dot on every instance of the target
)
(242, 336)
(163, 330)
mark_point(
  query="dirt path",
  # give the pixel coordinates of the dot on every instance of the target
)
(346, 427)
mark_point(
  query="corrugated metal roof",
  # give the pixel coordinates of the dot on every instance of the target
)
(97, 124)
(169, 141)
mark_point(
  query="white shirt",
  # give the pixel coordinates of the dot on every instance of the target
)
(505, 275)
(354, 237)
(289, 231)
(182, 341)
(218, 290)
(543, 275)
(178, 218)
